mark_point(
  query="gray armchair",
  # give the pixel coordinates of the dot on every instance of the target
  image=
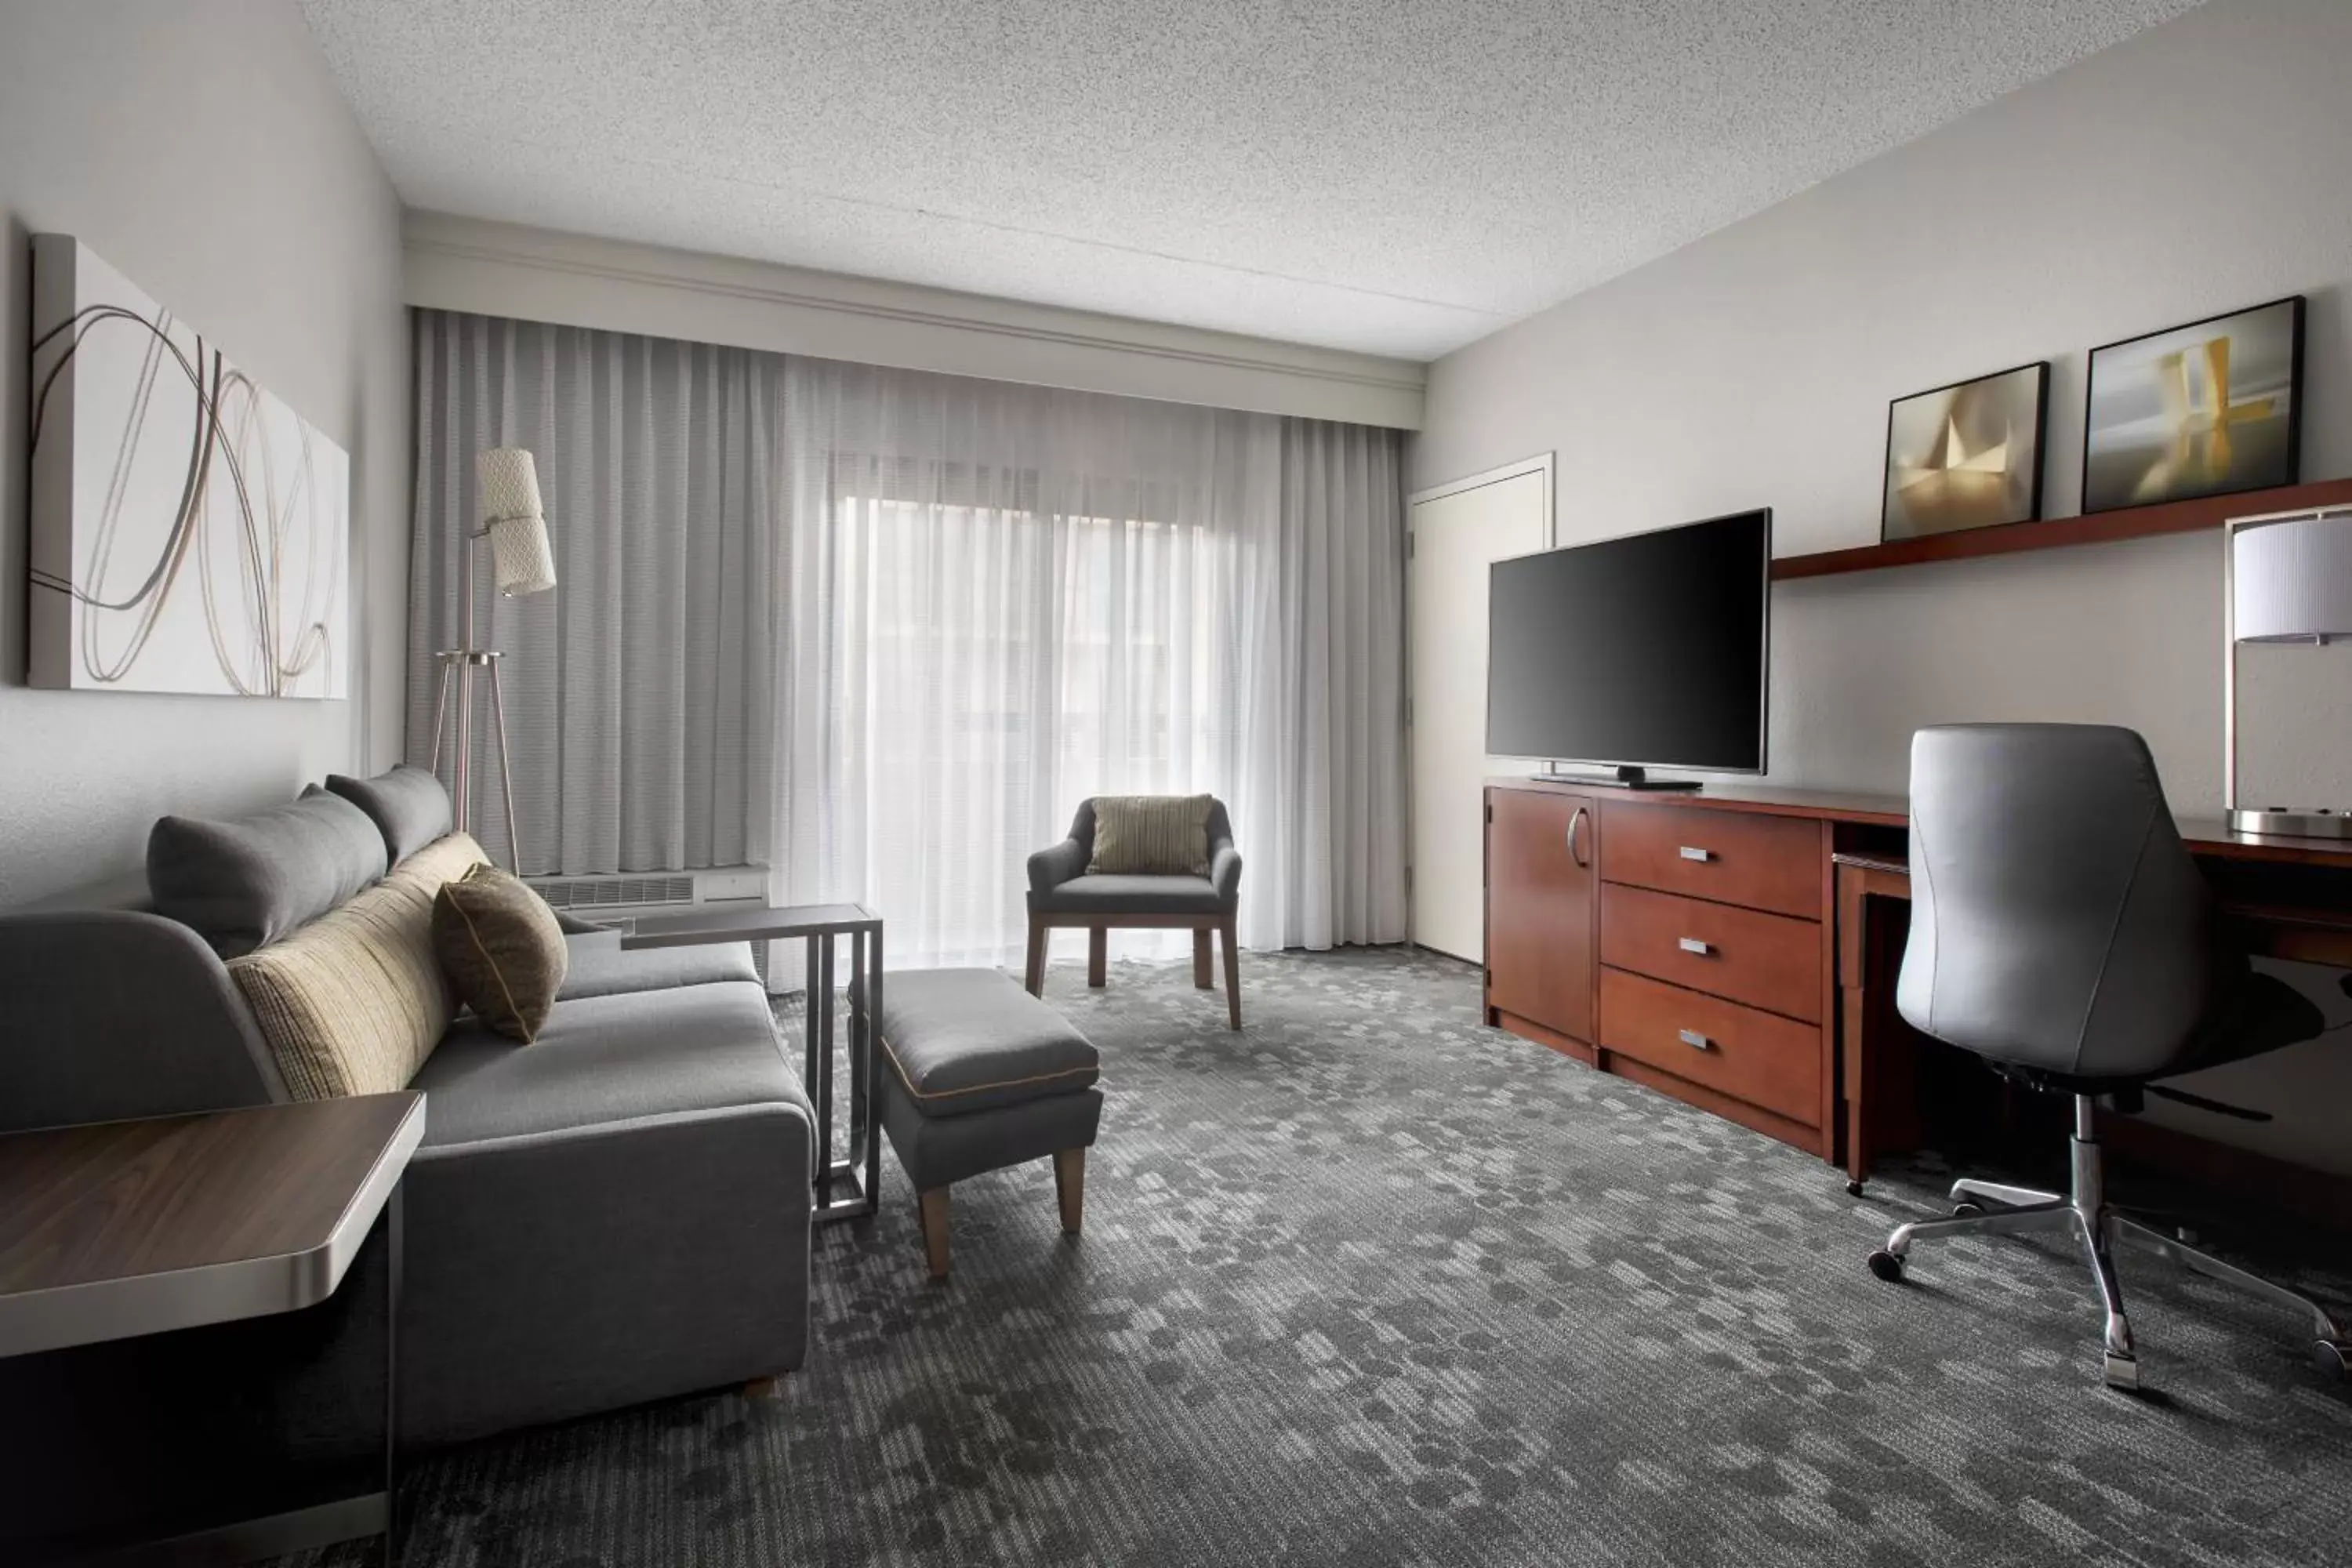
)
(1064, 893)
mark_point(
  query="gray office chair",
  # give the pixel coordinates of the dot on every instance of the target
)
(2060, 930)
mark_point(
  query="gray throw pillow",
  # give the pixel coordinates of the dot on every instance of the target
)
(244, 883)
(408, 804)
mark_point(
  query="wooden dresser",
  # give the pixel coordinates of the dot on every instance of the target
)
(1683, 941)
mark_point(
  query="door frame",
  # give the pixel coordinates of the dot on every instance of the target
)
(1545, 463)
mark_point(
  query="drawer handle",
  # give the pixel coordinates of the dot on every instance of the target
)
(1693, 852)
(1693, 944)
(1695, 1040)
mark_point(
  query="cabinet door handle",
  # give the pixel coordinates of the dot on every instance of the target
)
(1574, 823)
(1693, 852)
(1693, 944)
(1695, 1040)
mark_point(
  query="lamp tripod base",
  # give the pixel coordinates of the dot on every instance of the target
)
(458, 668)
(2281, 822)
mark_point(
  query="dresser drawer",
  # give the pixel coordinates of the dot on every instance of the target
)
(1765, 961)
(1756, 1057)
(1730, 857)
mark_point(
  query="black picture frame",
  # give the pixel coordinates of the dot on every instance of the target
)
(2041, 448)
(2292, 465)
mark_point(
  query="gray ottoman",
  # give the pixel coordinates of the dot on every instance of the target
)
(979, 1075)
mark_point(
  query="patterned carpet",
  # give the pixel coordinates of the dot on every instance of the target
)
(1367, 1284)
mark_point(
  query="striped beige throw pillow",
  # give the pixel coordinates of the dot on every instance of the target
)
(1151, 835)
(355, 1001)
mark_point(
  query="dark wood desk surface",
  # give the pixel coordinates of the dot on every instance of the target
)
(2205, 835)
(132, 1228)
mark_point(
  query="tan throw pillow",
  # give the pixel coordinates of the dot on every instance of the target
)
(353, 1002)
(1151, 835)
(501, 947)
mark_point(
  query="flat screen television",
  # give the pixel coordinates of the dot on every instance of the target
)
(1648, 651)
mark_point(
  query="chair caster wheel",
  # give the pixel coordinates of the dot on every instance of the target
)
(2331, 1355)
(2121, 1371)
(1853, 1189)
(1966, 1211)
(1886, 1265)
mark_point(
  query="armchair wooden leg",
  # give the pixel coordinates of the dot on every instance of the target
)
(935, 1230)
(765, 1388)
(1039, 934)
(1070, 1187)
(1204, 976)
(1097, 956)
(1233, 972)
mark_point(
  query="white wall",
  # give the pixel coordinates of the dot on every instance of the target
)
(2203, 165)
(574, 280)
(205, 152)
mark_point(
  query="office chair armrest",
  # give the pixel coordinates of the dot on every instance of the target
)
(1049, 868)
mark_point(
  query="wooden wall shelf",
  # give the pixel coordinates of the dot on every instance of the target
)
(2050, 533)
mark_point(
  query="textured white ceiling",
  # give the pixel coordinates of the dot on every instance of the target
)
(1395, 176)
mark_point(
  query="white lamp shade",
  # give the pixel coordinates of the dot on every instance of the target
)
(2292, 580)
(520, 557)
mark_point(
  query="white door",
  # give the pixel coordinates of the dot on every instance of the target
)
(1456, 532)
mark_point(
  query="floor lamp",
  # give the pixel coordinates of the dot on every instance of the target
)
(522, 563)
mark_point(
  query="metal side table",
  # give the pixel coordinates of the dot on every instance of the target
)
(818, 925)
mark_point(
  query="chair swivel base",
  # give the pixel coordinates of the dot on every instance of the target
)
(1986, 1208)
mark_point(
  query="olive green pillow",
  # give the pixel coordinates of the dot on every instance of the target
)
(1151, 835)
(501, 948)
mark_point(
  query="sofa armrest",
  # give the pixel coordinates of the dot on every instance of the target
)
(107, 1014)
(1225, 872)
(1049, 868)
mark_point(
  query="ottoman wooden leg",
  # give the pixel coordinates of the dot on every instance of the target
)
(1039, 933)
(1070, 1187)
(1097, 956)
(1204, 976)
(935, 1230)
(1233, 973)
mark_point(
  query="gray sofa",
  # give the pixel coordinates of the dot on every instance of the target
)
(616, 1213)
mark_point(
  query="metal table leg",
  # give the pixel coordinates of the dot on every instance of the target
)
(861, 1169)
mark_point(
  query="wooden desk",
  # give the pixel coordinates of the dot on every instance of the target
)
(130, 1229)
(1878, 1096)
(1718, 946)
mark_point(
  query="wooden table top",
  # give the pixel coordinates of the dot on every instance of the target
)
(132, 1228)
(748, 922)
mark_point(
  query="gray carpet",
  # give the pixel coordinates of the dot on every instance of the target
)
(1367, 1284)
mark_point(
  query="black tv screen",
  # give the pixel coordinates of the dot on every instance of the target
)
(1648, 650)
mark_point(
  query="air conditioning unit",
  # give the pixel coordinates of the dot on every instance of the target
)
(616, 899)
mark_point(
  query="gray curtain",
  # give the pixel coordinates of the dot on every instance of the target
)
(881, 630)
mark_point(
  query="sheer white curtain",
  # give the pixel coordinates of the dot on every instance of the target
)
(883, 630)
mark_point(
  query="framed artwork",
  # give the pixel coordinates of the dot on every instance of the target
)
(2207, 409)
(189, 532)
(1966, 456)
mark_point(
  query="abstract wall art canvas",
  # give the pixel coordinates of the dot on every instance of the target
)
(189, 530)
(2206, 409)
(1966, 456)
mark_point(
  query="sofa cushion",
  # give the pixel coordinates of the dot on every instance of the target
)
(598, 966)
(452, 854)
(355, 1002)
(1151, 835)
(1098, 895)
(499, 945)
(246, 882)
(609, 1058)
(408, 806)
(962, 1040)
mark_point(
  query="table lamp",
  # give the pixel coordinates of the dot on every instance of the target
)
(521, 562)
(2287, 579)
